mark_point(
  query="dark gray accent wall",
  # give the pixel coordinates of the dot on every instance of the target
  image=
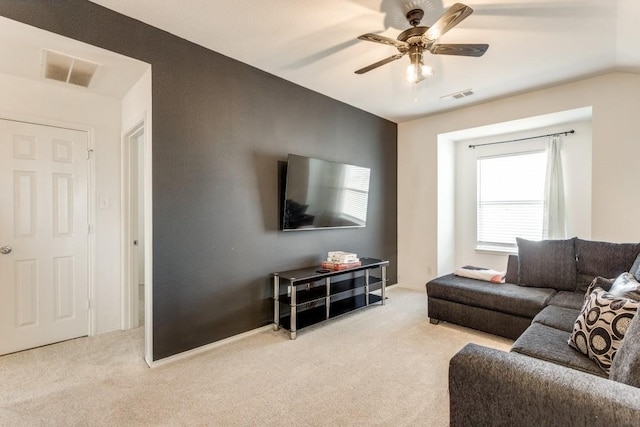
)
(220, 130)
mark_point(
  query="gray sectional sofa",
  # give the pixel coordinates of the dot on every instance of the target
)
(542, 380)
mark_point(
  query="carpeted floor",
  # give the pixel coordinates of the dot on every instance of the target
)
(383, 366)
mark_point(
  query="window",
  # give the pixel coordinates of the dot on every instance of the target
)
(510, 199)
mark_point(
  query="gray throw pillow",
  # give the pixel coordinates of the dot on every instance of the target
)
(626, 364)
(635, 268)
(626, 286)
(547, 264)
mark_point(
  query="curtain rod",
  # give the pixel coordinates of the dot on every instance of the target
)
(565, 133)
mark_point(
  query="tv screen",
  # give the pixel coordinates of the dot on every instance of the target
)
(321, 194)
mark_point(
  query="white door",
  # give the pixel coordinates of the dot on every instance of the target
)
(43, 235)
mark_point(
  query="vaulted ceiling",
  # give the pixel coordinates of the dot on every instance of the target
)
(314, 44)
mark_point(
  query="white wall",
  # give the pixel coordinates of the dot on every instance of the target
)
(136, 108)
(446, 205)
(53, 102)
(136, 104)
(615, 99)
(576, 162)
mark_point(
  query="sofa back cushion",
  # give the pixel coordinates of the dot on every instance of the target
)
(547, 264)
(512, 270)
(626, 363)
(603, 259)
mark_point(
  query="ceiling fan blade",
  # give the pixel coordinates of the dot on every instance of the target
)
(452, 17)
(380, 63)
(400, 45)
(459, 49)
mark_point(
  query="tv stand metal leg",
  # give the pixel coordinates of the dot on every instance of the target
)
(276, 302)
(294, 312)
(383, 287)
(366, 287)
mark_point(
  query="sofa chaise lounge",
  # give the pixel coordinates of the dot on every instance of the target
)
(542, 380)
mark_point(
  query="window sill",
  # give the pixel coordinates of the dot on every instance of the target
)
(496, 251)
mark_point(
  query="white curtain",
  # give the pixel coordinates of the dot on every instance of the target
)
(554, 206)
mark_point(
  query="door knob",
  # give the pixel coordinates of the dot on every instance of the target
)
(5, 250)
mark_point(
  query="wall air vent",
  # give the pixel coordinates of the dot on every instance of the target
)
(67, 69)
(458, 95)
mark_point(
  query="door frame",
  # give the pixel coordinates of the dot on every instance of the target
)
(130, 226)
(91, 198)
(142, 124)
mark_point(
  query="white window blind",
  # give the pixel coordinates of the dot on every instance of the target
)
(510, 199)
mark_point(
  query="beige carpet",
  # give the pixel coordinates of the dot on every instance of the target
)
(383, 366)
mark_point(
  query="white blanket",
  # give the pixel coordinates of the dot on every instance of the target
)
(478, 273)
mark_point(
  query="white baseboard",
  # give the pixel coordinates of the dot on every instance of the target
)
(207, 347)
(415, 287)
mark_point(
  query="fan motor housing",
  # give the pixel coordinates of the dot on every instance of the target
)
(413, 35)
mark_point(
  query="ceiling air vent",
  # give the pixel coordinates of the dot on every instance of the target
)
(67, 69)
(458, 95)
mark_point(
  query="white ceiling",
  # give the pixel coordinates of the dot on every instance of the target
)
(313, 43)
(21, 54)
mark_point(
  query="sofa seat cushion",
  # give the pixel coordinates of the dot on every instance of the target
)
(568, 299)
(550, 344)
(503, 297)
(557, 317)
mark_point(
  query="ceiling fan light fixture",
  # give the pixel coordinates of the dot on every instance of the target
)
(411, 74)
(417, 71)
(427, 71)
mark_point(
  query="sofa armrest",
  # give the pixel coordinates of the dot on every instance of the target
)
(496, 388)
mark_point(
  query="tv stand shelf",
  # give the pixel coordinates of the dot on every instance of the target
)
(304, 297)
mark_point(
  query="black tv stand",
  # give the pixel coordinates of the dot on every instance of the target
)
(306, 296)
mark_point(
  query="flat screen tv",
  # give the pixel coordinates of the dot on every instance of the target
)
(320, 194)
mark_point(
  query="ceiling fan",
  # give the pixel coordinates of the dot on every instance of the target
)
(418, 39)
